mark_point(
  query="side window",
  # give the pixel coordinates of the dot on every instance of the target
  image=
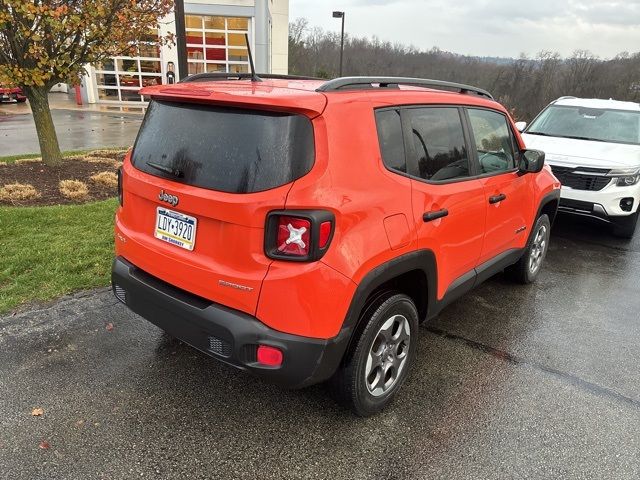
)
(390, 138)
(438, 143)
(494, 141)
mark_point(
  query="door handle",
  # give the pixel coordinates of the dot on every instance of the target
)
(497, 198)
(436, 214)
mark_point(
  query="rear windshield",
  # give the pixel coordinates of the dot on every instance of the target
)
(227, 149)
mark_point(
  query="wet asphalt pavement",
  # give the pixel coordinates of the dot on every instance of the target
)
(77, 130)
(535, 381)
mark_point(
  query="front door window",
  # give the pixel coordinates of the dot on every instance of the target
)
(493, 140)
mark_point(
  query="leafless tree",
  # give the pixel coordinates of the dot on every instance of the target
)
(525, 85)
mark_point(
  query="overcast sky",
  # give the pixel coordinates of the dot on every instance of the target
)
(487, 27)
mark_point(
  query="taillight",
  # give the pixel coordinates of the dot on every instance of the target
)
(298, 235)
(119, 174)
(293, 236)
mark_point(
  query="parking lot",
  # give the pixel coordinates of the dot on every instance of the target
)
(536, 381)
(77, 130)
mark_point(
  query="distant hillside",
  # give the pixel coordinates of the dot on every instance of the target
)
(497, 60)
(524, 85)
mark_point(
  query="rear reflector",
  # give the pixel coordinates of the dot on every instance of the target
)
(325, 233)
(269, 356)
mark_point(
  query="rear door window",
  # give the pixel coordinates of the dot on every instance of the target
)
(438, 143)
(222, 148)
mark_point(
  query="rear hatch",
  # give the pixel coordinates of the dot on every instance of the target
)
(197, 188)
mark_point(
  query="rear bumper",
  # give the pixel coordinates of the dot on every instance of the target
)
(229, 335)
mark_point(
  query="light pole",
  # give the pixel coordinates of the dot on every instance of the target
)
(337, 14)
(181, 39)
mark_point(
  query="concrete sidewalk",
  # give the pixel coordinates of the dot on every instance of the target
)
(63, 101)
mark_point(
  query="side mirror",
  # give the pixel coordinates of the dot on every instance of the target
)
(531, 161)
(521, 126)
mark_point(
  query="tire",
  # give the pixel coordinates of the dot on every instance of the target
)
(390, 335)
(527, 269)
(21, 100)
(625, 227)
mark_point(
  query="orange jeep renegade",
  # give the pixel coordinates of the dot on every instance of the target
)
(301, 230)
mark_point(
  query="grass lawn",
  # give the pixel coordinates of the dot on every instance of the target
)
(50, 251)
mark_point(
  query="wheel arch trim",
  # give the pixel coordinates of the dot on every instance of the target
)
(550, 197)
(423, 260)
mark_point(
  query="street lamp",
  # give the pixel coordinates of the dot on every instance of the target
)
(337, 14)
(181, 39)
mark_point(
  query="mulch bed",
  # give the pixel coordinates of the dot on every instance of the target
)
(46, 180)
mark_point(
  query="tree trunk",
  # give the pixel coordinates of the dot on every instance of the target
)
(49, 148)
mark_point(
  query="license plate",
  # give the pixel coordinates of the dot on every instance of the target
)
(176, 228)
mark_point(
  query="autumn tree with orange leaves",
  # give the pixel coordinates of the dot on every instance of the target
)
(44, 42)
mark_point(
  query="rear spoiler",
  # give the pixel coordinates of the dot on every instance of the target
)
(242, 93)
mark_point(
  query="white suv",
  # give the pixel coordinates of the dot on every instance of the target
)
(593, 148)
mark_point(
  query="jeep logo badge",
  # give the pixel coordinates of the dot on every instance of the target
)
(170, 199)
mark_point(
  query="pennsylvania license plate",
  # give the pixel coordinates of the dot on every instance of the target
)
(176, 228)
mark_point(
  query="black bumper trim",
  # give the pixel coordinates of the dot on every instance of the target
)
(226, 334)
(582, 208)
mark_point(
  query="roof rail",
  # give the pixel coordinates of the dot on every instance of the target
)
(346, 83)
(221, 76)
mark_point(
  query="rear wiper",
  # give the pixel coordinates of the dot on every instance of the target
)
(169, 170)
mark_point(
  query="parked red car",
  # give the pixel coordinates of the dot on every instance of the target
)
(301, 229)
(8, 94)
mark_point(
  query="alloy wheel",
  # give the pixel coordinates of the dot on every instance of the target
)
(538, 249)
(387, 355)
